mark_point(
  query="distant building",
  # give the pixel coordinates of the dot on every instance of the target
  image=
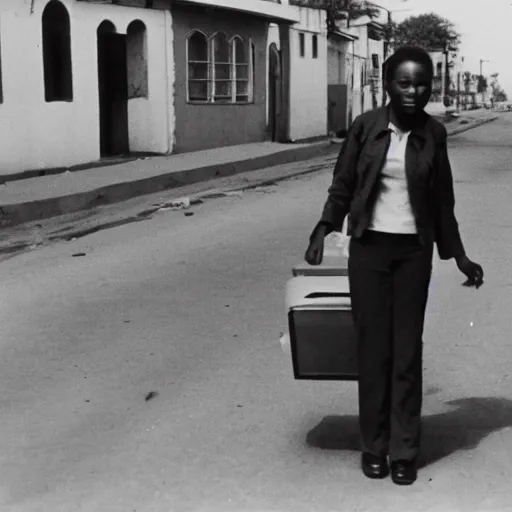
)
(340, 80)
(307, 97)
(368, 92)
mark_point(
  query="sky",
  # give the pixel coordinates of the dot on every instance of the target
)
(485, 28)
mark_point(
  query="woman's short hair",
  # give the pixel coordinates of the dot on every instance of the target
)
(404, 54)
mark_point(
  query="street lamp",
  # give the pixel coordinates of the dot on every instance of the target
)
(446, 99)
(481, 62)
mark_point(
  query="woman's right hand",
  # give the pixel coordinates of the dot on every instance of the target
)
(315, 251)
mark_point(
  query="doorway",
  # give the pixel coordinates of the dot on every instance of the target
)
(337, 99)
(274, 92)
(113, 91)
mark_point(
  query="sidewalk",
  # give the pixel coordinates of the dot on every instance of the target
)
(38, 198)
(43, 197)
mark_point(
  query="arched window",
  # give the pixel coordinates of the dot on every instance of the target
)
(222, 69)
(198, 57)
(58, 74)
(137, 62)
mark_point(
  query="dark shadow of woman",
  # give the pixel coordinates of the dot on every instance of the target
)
(469, 422)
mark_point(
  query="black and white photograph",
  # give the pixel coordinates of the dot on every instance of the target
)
(254, 256)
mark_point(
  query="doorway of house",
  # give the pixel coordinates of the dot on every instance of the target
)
(113, 91)
(274, 88)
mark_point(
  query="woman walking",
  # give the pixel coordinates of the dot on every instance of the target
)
(394, 181)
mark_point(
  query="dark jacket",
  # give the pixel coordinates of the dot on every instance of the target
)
(429, 179)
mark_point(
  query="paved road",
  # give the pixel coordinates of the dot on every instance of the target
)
(191, 308)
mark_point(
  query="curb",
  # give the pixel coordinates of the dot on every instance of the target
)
(465, 128)
(15, 214)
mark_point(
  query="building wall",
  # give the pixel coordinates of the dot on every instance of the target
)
(364, 47)
(308, 92)
(339, 62)
(361, 47)
(438, 60)
(377, 47)
(361, 100)
(339, 72)
(204, 126)
(35, 134)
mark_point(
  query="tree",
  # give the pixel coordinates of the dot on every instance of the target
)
(430, 31)
(340, 10)
(482, 84)
(498, 94)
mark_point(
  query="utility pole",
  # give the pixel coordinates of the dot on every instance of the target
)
(481, 66)
(387, 44)
(458, 91)
(446, 99)
(482, 77)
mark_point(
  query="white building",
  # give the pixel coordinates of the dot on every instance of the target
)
(83, 79)
(308, 73)
(368, 59)
(340, 80)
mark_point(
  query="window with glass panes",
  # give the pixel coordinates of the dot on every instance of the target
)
(220, 70)
(198, 67)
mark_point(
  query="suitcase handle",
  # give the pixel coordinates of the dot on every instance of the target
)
(325, 295)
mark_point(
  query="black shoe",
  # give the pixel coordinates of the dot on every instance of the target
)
(374, 466)
(404, 472)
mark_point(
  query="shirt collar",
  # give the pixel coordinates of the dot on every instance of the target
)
(396, 131)
(383, 123)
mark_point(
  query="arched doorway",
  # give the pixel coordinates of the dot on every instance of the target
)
(274, 92)
(113, 90)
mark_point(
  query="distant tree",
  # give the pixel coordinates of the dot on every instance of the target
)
(340, 10)
(498, 94)
(467, 77)
(482, 84)
(430, 31)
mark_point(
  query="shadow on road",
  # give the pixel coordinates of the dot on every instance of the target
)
(463, 428)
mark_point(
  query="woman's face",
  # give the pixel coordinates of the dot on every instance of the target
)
(410, 88)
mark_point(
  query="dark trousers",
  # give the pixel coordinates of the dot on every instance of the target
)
(389, 279)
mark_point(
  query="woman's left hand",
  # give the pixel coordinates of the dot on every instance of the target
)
(473, 271)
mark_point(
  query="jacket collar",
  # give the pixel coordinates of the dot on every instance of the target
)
(383, 120)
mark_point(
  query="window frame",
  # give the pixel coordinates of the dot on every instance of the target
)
(212, 98)
(248, 64)
(202, 62)
(302, 45)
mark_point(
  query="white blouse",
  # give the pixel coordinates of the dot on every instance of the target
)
(393, 212)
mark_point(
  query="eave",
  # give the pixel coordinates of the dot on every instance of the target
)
(273, 12)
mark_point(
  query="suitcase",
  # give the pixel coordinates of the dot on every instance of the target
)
(321, 333)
